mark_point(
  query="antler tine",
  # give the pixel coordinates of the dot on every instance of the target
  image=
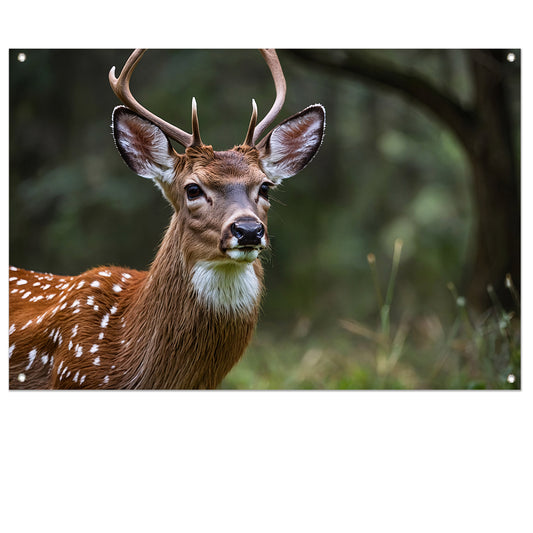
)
(121, 87)
(271, 58)
(196, 140)
(251, 128)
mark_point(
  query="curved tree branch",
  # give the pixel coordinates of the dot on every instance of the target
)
(460, 120)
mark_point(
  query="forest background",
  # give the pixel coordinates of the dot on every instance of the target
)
(395, 258)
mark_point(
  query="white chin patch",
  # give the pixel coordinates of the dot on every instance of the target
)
(226, 286)
(242, 255)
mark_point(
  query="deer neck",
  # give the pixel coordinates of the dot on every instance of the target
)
(187, 326)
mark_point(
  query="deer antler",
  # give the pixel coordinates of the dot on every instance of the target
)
(255, 132)
(121, 87)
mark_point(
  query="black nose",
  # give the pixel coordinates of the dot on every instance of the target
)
(248, 231)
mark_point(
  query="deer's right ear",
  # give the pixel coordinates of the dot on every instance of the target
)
(293, 143)
(143, 146)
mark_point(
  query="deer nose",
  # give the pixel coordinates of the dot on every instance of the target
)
(248, 231)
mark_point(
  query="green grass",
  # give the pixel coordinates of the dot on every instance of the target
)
(414, 351)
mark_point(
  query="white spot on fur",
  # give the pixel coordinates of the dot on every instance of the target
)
(117, 288)
(96, 361)
(78, 350)
(75, 378)
(44, 359)
(105, 273)
(75, 330)
(226, 286)
(22, 378)
(31, 355)
(90, 300)
(11, 350)
(21, 282)
(12, 329)
(82, 379)
(105, 321)
(106, 380)
(26, 295)
(113, 310)
(95, 284)
(80, 284)
(94, 348)
(26, 325)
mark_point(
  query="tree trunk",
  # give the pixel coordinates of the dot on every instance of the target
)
(496, 182)
(485, 130)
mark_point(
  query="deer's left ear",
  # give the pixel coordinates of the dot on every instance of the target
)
(290, 146)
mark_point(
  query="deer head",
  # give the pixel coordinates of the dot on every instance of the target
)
(220, 199)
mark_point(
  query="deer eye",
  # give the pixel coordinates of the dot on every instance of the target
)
(263, 190)
(193, 191)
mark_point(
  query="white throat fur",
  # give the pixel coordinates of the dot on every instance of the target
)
(226, 286)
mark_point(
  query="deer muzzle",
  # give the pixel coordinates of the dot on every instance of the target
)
(244, 239)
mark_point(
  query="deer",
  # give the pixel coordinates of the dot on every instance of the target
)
(185, 322)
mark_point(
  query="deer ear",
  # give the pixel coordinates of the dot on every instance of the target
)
(143, 146)
(290, 146)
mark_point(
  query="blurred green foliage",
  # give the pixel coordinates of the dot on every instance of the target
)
(385, 171)
(419, 351)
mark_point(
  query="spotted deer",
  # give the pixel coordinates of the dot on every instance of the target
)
(186, 321)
